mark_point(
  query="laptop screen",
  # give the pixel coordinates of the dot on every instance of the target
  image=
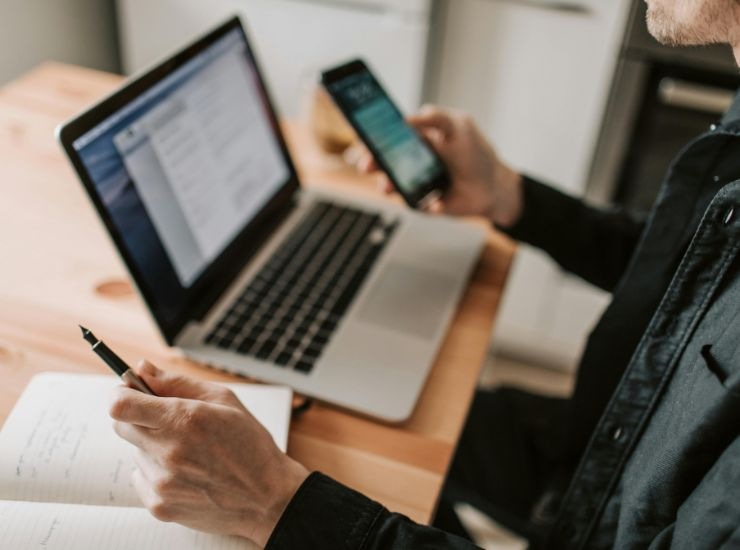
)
(183, 167)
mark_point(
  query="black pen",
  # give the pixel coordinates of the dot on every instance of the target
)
(116, 364)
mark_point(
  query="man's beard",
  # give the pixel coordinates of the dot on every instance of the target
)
(709, 25)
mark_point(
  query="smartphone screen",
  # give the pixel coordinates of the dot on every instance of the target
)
(409, 162)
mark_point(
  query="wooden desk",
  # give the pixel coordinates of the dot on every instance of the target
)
(58, 268)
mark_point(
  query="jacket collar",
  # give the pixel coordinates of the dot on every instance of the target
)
(731, 117)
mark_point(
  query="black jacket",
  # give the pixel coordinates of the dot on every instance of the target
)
(655, 416)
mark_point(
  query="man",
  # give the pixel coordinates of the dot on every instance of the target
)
(650, 449)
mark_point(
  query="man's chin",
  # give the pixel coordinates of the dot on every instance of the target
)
(705, 26)
(662, 29)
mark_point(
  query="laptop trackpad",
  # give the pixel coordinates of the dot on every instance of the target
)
(407, 299)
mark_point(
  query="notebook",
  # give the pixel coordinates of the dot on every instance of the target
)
(65, 474)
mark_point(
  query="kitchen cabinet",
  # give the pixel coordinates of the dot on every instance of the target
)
(294, 39)
(536, 78)
(82, 32)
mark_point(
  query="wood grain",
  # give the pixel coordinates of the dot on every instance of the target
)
(50, 280)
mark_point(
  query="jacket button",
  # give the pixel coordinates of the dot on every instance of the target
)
(729, 216)
(713, 127)
(616, 433)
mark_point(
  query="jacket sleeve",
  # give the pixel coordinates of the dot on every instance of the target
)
(594, 243)
(326, 514)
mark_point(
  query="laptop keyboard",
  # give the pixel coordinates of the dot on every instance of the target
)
(290, 310)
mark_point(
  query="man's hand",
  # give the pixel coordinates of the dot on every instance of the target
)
(203, 460)
(482, 185)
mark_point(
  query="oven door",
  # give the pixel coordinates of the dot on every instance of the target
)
(658, 111)
(676, 109)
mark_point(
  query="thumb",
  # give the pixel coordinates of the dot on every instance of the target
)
(437, 207)
(169, 384)
(432, 118)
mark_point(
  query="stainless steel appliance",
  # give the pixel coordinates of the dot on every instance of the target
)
(661, 98)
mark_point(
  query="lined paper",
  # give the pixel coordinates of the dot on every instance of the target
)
(55, 526)
(58, 444)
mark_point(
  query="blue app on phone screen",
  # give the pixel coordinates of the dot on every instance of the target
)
(410, 163)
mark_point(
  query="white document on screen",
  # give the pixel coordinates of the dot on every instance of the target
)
(204, 161)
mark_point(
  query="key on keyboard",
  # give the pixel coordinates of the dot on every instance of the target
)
(289, 311)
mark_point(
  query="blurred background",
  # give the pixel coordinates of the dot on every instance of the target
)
(570, 91)
(573, 92)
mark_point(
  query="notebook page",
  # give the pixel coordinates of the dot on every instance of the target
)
(271, 405)
(58, 444)
(55, 526)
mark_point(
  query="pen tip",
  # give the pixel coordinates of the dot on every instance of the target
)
(83, 329)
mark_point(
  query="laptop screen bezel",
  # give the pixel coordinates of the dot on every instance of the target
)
(221, 272)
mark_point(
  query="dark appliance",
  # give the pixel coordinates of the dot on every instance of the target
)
(661, 98)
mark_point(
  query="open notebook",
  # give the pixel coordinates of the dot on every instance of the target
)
(65, 474)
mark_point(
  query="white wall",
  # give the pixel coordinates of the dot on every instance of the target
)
(74, 31)
(536, 79)
(293, 39)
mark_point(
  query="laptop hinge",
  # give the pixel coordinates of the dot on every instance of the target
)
(251, 248)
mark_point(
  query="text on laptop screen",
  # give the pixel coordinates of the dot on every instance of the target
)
(183, 168)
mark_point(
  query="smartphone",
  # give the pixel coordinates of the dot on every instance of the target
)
(415, 169)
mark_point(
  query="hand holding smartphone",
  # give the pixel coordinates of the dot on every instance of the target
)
(413, 167)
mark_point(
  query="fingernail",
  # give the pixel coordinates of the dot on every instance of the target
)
(148, 368)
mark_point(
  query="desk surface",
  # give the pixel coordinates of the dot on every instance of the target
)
(50, 281)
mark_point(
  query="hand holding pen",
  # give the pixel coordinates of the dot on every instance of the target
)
(116, 364)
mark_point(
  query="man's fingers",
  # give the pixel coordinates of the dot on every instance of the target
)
(169, 384)
(165, 482)
(157, 477)
(136, 435)
(430, 116)
(385, 185)
(361, 158)
(157, 506)
(148, 466)
(134, 407)
(435, 207)
(367, 164)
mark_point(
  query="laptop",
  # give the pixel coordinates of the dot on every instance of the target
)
(340, 297)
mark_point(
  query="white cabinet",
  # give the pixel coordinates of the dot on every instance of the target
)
(536, 79)
(74, 31)
(294, 39)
